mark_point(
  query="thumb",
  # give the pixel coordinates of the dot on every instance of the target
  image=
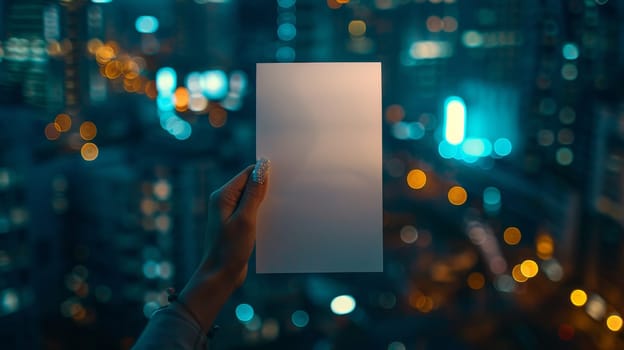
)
(255, 189)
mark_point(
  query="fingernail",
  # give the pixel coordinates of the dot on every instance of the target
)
(260, 171)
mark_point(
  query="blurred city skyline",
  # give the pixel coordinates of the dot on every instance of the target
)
(503, 169)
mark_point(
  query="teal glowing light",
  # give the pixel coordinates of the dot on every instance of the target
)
(244, 312)
(285, 54)
(165, 103)
(570, 51)
(401, 130)
(146, 24)
(447, 150)
(214, 84)
(454, 120)
(286, 3)
(166, 80)
(477, 147)
(300, 318)
(491, 196)
(502, 147)
(286, 31)
(416, 130)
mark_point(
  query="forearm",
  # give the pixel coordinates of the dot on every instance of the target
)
(183, 324)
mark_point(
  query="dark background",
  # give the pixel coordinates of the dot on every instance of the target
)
(95, 225)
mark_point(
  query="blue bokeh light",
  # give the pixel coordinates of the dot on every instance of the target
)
(401, 130)
(300, 318)
(244, 312)
(166, 80)
(491, 196)
(286, 31)
(214, 84)
(502, 147)
(446, 150)
(570, 51)
(286, 3)
(165, 103)
(285, 54)
(416, 130)
(146, 24)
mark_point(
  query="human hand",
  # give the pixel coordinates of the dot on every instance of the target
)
(232, 216)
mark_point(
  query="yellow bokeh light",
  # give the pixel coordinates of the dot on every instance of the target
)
(54, 48)
(416, 179)
(181, 98)
(357, 27)
(130, 69)
(88, 131)
(512, 235)
(89, 151)
(104, 54)
(517, 274)
(544, 246)
(614, 322)
(112, 70)
(51, 132)
(476, 280)
(578, 297)
(529, 268)
(342, 1)
(93, 45)
(63, 122)
(457, 195)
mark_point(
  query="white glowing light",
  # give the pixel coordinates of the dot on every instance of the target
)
(342, 304)
(455, 120)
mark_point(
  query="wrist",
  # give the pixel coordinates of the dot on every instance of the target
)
(204, 295)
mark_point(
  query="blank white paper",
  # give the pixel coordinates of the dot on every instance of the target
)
(320, 125)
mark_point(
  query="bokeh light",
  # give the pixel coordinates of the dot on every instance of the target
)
(544, 246)
(357, 27)
(214, 84)
(89, 151)
(286, 31)
(300, 318)
(244, 312)
(614, 322)
(51, 131)
(457, 195)
(529, 268)
(88, 130)
(455, 120)
(408, 234)
(517, 274)
(475, 280)
(416, 179)
(217, 117)
(578, 297)
(512, 235)
(63, 122)
(342, 305)
(146, 24)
